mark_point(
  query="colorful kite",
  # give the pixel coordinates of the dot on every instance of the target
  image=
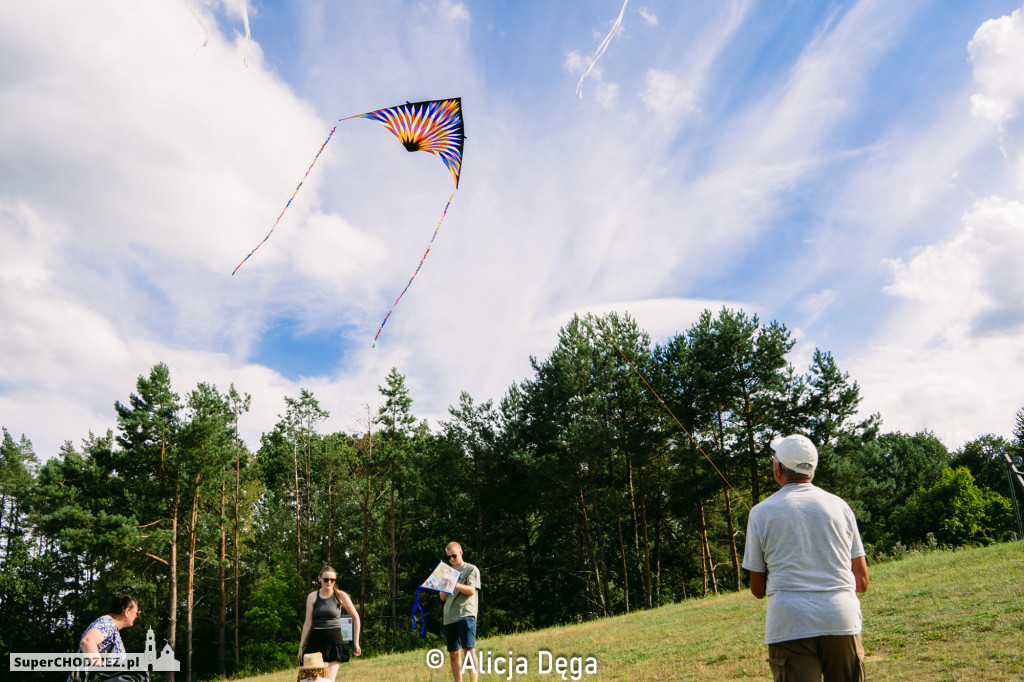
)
(435, 127)
(444, 578)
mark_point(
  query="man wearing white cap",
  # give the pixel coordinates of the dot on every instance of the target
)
(804, 551)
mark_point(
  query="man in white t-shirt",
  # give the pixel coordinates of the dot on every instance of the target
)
(804, 551)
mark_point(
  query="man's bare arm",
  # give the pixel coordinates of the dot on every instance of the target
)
(860, 573)
(758, 584)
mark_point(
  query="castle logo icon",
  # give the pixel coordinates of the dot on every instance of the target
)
(164, 662)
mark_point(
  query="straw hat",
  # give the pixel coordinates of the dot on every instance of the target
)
(312, 666)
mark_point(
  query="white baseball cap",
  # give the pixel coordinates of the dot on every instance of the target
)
(796, 453)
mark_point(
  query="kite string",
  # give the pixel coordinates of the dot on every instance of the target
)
(608, 336)
(381, 328)
(289, 201)
(601, 48)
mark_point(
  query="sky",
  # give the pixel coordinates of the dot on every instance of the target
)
(853, 170)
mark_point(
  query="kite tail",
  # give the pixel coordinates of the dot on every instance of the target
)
(381, 328)
(416, 607)
(289, 202)
(206, 32)
(601, 49)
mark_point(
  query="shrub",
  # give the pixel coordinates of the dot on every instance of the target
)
(954, 511)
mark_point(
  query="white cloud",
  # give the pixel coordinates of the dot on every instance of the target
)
(971, 283)
(673, 94)
(648, 16)
(666, 95)
(951, 356)
(136, 172)
(662, 318)
(997, 54)
(356, 254)
(575, 62)
(824, 86)
(815, 305)
(30, 246)
(607, 94)
(454, 11)
(960, 392)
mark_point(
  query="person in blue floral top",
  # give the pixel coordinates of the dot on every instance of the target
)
(104, 636)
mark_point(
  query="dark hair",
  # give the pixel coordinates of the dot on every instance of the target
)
(120, 602)
(337, 590)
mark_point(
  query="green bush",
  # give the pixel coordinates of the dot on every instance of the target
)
(955, 510)
(273, 622)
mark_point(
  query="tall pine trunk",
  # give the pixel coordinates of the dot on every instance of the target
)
(190, 578)
(732, 541)
(479, 507)
(172, 577)
(298, 516)
(238, 485)
(755, 479)
(222, 558)
(394, 574)
(618, 528)
(599, 529)
(309, 511)
(530, 579)
(588, 543)
(330, 517)
(648, 593)
(705, 547)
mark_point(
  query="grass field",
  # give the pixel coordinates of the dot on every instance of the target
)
(939, 615)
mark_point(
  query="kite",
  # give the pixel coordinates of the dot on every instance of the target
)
(435, 127)
(442, 579)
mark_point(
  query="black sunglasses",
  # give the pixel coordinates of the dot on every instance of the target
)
(452, 556)
(328, 580)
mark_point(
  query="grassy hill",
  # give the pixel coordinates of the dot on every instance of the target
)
(940, 615)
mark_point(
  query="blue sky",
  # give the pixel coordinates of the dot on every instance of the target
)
(854, 170)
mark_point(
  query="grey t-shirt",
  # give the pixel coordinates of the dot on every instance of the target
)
(805, 539)
(458, 606)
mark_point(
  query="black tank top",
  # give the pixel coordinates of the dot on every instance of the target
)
(326, 612)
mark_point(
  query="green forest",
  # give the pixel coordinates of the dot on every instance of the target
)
(617, 477)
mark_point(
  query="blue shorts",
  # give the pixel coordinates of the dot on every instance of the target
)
(461, 634)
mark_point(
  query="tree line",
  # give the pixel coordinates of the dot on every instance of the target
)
(617, 477)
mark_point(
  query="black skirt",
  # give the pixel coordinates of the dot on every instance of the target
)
(328, 642)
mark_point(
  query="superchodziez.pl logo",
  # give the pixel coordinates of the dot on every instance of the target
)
(149, 660)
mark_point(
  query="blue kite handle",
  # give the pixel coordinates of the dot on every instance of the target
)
(416, 607)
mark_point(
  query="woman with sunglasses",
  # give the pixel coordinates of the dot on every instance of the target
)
(322, 629)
